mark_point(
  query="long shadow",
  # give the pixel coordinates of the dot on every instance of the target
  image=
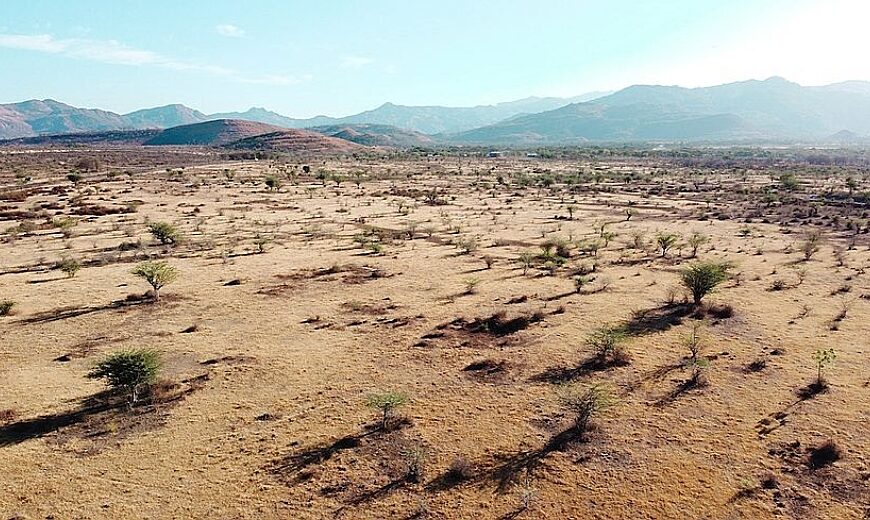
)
(655, 375)
(560, 296)
(504, 473)
(558, 375)
(26, 429)
(46, 280)
(379, 492)
(67, 313)
(658, 319)
(677, 392)
(296, 463)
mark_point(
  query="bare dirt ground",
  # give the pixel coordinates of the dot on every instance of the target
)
(293, 305)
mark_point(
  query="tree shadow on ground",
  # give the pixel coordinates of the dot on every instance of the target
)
(64, 313)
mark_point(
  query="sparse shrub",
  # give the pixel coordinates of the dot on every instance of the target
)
(273, 183)
(415, 462)
(387, 403)
(581, 281)
(157, 274)
(262, 242)
(165, 232)
(471, 284)
(7, 415)
(666, 241)
(702, 278)
(489, 260)
(607, 344)
(571, 208)
(788, 181)
(70, 266)
(695, 362)
(528, 493)
(527, 260)
(6, 307)
(824, 454)
(556, 247)
(695, 241)
(606, 237)
(591, 247)
(778, 285)
(129, 370)
(74, 177)
(65, 225)
(584, 403)
(467, 245)
(459, 470)
(823, 358)
(638, 240)
(811, 244)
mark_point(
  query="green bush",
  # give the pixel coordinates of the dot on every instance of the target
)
(70, 266)
(387, 403)
(607, 344)
(157, 274)
(6, 307)
(165, 232)
(702, 278)
(129, 370)
(584, 403)
(666, 241)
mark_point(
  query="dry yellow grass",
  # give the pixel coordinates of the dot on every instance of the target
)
(280, 364)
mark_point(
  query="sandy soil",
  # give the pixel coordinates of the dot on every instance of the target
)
(269, 418)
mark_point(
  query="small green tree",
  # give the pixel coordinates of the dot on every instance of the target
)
(581, 281)
(607, 343)
(386, 403)
(695, 241)
(157, 274)
(273, 183)
(702, 278)
(584, 403)
(811, 244)
(527, 260)
(823, 358)
(70, 266)
(471, 284)
(6, 307)
(788, 181)
(666, 241)
(165, 232)
(129, 370)
(262, 242)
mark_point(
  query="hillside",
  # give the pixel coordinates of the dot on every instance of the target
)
(36, 117)
(771, 109)
(52, 117)
(376, 135)
(296, 141)
(165, 117)
(109, 138)
(210, 133)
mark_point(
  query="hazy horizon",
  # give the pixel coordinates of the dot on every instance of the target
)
(304, 60)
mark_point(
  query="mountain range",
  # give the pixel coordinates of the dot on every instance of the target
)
(772, 109)
(747, 110)
(35, 117)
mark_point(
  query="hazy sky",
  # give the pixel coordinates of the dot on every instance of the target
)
(335, 57)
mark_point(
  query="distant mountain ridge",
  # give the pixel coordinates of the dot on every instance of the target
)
(747, 111)
(35, 117)
(769, 109)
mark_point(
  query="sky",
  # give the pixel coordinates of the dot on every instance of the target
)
(339, 57)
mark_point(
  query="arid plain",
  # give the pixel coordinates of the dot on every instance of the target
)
(471, 287)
